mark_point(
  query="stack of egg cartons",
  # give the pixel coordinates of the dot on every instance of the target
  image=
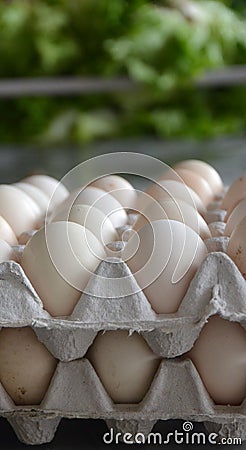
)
(137, 346)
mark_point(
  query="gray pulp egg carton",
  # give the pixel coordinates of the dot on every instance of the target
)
(76, 391)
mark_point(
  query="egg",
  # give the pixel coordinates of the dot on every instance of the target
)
(124, 363)
(164, 256)
(6, 252)
(169, 190)
(219, 357)
(36, 194)
(175, 210)
(235, 193)
(59, 260)
(238, 213)
(26, 366)
(93, 219)
(120, 188)
(6, 232)
(237, 246)
(18, 209)
(193, 180)
(206, 171)
(98, 198)
(54, 189)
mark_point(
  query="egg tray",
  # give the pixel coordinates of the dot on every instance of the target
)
(75, 391)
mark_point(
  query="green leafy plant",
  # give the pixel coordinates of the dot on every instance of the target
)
(162, 46)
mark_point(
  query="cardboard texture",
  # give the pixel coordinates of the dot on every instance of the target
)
(76, 391)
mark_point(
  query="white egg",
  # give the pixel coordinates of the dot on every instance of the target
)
(18, 209)
(174, 210)
(237, 246)
(36, 194)
(98, 198)
(93, 219)
(59, 261)
(219, 356)
(235, 193)
(164, 257)
(205, 170)
(6, 232)
(54, 189)
(6, 252)
(237, 214)
(170, 190)
(124, 363)
(197, 183)
(120, 188)
(26, 366)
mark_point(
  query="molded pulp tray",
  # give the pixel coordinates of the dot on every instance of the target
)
(75, 391)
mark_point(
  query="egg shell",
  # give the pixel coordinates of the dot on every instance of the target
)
(219, 356)
(205, 170)
(124, 363)
(237, 214)
(174, 210)
(6, 252)
(93, 219)
(164, 257)
(197, 183)
(59, 260)
(97, 198)
(40, 198)
(6, 232)
(54, 189)
(169, 190)
(237, 246)
(26, 366)
(235, 193)
(120, 188)
(18, 209)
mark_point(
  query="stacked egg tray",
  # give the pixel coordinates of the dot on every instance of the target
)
(177, 391)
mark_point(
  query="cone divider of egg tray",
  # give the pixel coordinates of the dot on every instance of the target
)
(217, 288)
(76, 391)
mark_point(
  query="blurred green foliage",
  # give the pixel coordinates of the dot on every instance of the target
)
(162, 45)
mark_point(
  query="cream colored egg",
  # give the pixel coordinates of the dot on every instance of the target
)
(237, 246)
(164, 257)
(169, 190)
(6, 252)
(26, 366)
(18, 209)
(120, 188)
(205, 170)
(124, 363)
(59, 261)
(36, 194)
(235, 193)
(219, 356)
(93, 219)
(193, 180)
(54, 189)
(6, 232)
(98, 198)
(238, 213)
(175, 210)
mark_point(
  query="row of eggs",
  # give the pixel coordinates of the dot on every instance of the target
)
(55, 294)
(162, 254)
(126, 365)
